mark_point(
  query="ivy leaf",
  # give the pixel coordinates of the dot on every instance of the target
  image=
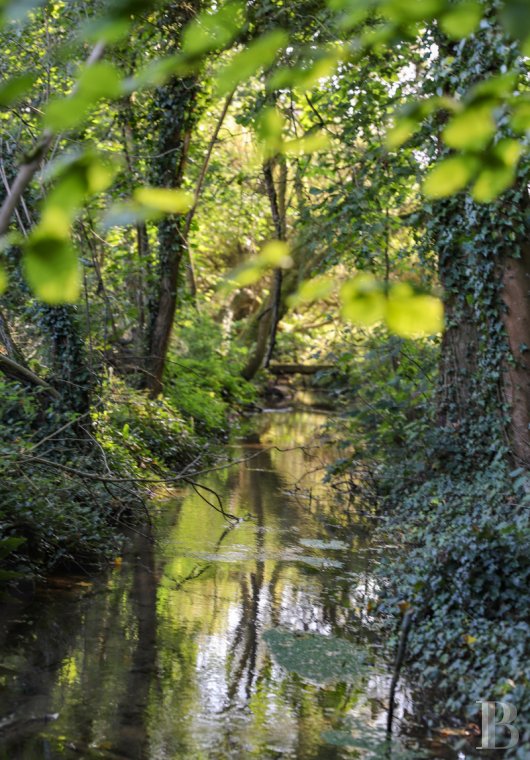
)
(449, 176)
(10, 544)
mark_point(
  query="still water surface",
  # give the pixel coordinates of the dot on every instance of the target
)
(166, 658)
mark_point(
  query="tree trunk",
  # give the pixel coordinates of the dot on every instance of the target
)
(516, 376)
(176, 111)
(273, 310)
(174, 114)
(12, 350)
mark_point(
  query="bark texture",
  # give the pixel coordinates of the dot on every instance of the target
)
(516, 377)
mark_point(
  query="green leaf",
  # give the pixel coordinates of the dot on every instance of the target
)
(402, 131)
(126, 215)
(100, 80)
(491, 182)
(462, 19)
(497, 87)
(363, 300)
(105, 30)
(214, 31)
(306, 74)
(520, 120)
(52, 268)
(450, 176)
(312, 290)
(412, 315)
(164, 199)
(3, 279)
(499, 173)
(66, 113)
(15, 88)
(303, 146)
(157, 72)
(258, 55)
(403, 11)
(269, 129)
(16, 10)
(472, 129)
(275, 253)
(515, 16)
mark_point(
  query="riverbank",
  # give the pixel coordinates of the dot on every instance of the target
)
(70, 482)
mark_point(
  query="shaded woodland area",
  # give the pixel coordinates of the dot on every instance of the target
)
(207, 206)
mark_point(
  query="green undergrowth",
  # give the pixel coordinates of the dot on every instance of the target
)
(53, 518)
(203, 378)
(459, 527)
(49, 518)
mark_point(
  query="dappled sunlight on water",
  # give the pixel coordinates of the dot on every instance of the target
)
(166, 658)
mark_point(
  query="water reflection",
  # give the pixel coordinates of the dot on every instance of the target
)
(166, 658)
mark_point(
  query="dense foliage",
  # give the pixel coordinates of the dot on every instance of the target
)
(201, 195)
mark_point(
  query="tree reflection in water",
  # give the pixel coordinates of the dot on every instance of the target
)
(166, 659)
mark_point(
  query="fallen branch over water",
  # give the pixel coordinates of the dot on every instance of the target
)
(181, 477)
(299, 369)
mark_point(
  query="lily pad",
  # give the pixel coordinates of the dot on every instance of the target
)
(317, 658)
(315, 543)
(373, 744)
(322, 563)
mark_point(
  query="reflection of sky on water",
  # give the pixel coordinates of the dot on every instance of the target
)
(166, 660)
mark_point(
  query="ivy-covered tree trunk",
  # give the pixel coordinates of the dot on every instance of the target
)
(66, 350)
(174, 115)
(484, 268)
(484, 263)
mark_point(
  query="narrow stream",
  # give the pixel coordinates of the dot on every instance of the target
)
(169, 657)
